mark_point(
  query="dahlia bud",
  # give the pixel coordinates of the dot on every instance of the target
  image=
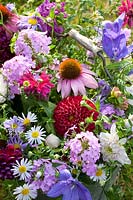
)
(52, 141)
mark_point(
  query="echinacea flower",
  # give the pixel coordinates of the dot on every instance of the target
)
(35, 135)
(74, 76)
(27, 120)
(70, 112)
(25, 192)
(127, 8)
(22, 169)
(9, 21)
(112, 147)
(70, 188)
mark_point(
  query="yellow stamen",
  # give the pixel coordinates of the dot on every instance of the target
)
(99, 172)
(26, 121)
(26, 83)
(14, 126)
(35, 134)
(22, 169)
(25, 191)
(32, 21)
(16, 146)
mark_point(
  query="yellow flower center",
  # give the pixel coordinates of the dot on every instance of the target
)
(22, 169)
(16, 146)
(14, 126)
(32, 21)
(26, 83)
(26, 121)
(109, 150)
(99, 172)
(35, 134)
(25, 191)
(70, 69)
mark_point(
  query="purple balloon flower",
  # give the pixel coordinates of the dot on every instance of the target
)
(70, 188)
(116, 48)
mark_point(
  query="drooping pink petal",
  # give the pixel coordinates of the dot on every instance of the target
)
(89, 81)
(74, 86)
(65, 88)
(59, 85)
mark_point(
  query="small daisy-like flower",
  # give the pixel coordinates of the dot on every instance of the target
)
(75, 77)
(25, 192)
(26, 120)
(14, 125)
(22, 169)
(35, 135)
(100, 174)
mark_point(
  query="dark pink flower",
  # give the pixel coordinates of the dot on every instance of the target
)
(127, 7)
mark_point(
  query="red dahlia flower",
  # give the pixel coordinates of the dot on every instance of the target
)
(8, 157)
(127, 7)
(70, 112)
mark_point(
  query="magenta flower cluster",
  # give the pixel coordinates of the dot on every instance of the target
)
(84, 151)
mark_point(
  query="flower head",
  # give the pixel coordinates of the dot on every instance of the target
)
(100, 174)
(112, 148)
(14, 125)
(70, 188)
(75, 77)
(25, 192)
(70, 112)
(127, 8)
(35, 135)
(9, 20)
(22, 169)
(27, 120)
(8, 157)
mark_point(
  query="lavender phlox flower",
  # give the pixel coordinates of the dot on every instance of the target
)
(45, 7)
(70, 188)
(43, 174)
(109, 110)
(13, 69)
(84, 149)
(14, 125)
(31, 42)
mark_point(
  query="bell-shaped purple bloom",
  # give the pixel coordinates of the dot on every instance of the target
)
(70, 188)
(116, 48)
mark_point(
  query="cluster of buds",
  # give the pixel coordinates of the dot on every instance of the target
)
(122, 101)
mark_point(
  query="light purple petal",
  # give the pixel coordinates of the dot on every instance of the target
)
(84, 193)
(57, 189)
(64, 175)
(59, 85)
(65, 88)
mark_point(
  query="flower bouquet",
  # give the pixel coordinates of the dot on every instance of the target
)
(66, 103)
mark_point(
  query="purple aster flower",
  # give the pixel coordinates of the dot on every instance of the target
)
(14, 125)
(70, 188)
(17, 142)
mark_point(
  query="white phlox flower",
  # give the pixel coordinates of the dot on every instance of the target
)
(3, 89)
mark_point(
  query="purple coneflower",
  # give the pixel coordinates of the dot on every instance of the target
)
(75, 77)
